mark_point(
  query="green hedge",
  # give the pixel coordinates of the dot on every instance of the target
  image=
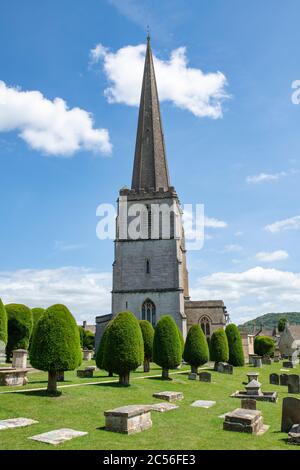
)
(236, 352)
(19, 326)
(124, 348)
(167, 349)
(219, 351)
(148, 336)
(196, 348)
(264, 346)
(3, 323)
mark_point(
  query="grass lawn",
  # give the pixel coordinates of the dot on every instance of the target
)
(82, 408)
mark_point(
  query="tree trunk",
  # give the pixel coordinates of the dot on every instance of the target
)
(194, 370)
(146, 365)
(124, 379)
(52, 382)
(110, 374)
(165, 374)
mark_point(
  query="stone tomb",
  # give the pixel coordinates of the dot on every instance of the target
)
(87, 355)
(290, 413)
(13, 377)
(169, 396)
(205, 377)
(274, 379)
(223, 368)
(128, 419)
(192, 376)
(87, 373)
(58, 436)
(267, 361)
(245, 420)
(16, 423)
(288, 365)
(294, 435)
(257, 361)
(248, 404)
(19, 359)
(293, 383)
(253, 390)
(163, 407)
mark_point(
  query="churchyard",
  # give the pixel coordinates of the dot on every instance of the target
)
(83, 402)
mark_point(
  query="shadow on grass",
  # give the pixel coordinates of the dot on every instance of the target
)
(42, 393)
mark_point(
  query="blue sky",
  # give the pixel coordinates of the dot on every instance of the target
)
(243, 164)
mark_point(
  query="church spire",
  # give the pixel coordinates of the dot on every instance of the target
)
(150, 170)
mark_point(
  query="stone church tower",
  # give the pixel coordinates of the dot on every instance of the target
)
(150, 276)
(149, 271)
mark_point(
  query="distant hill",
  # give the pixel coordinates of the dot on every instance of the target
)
(270, 320)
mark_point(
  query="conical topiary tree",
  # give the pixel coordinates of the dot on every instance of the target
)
(37, 312)
(3, 331)
(100, 351)
(148, 336)
(19, 327)
(181, 340)
(124, 347)
(56, 344)
(219, 351)
(236, 352)
(196, 348)
(264, 346)
(167, 349)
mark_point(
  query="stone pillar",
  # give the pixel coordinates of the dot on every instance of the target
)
(19, 360)
(87, 355)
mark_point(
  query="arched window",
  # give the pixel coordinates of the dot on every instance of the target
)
(205, 325)
(149, 311)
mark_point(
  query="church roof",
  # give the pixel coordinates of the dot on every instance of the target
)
(150, 170)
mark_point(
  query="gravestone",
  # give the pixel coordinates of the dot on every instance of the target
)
(87, 373)
(248, 404)
(252, 376)
(290, 413)
(283, 379)
(19, 359)
(128, 419)
(274, 379)
(205, 377)
(247, 421)
(58, 436)
(276, 359)
(257, 361)
(192, 376)
(294, 383)
(169, 396)
(288, 365)
(224, 368)
(60, 376)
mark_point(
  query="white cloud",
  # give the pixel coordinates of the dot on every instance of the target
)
(49, 126)
(186, 87)
(267, 257)
(264, 177)
(256, 291)
(84, 291)
(292, 223)
(233, 248)
(62, 246)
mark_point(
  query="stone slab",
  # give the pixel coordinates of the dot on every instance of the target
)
(163, 407)
(13, 377)
(16, 423)
(169, 396)
(58, 436)
(203, 404)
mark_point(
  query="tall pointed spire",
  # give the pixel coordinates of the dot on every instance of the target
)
(150, 170)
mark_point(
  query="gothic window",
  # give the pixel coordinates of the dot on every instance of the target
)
(149, 311)
(147, 266)
(205, 325)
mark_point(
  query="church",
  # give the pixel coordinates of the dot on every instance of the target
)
(150, 276)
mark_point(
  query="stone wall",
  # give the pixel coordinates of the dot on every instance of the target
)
(214, 310)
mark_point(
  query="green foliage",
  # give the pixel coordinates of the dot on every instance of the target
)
(264, 346)
(3, 323)
(123, 347)
(181, 339)
(166, 345)
(87, 338)
(219, 351)
(19, 326)
(281, 324)
(236, 352)
(56, 344)
(148, 336)
(101, 348)
(196, 349)
(81, 333)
